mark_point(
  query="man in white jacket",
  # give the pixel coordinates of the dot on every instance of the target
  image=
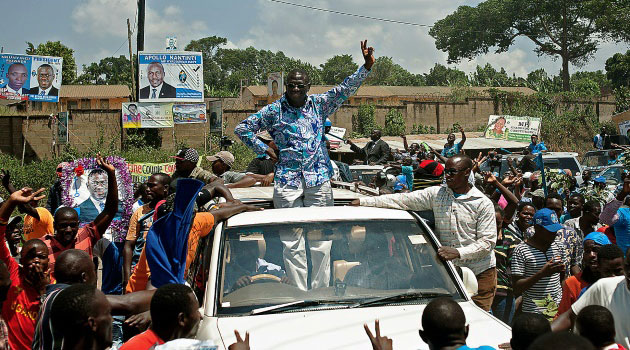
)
(464, 221)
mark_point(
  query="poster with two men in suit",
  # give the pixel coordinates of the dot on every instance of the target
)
(170, 77)
(30, 77)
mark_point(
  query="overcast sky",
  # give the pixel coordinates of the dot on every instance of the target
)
(97, 29)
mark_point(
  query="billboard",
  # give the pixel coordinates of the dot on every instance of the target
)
(28, 77)
(215, 110)
(62, 127)
(170, 77)
(275, 84)
(147, 115)
(189, 113)
(512, 128)
(140, 172)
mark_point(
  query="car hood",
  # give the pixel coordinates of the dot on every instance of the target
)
(343, 328)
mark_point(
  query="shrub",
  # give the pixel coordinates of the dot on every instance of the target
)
(394, 123)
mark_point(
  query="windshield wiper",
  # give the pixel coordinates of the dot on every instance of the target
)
(295, 305)
(400, 297)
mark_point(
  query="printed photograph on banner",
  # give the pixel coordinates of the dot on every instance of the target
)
(28, 77)
(84, 188)
(215, 109)
(512, 128)
(170, 77)
(189, 113)
(147, 115)
(275, 84)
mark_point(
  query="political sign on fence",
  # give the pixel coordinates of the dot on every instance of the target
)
(28, 77)
(147, 115)
(189, 113)
(275, 84)
(84, 188)
(512, 128)
(62, 128)
(170, 77)
(140, 172)
(624, 128)
(215, 109)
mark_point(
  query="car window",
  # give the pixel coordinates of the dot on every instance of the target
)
(368, 259)
(569, 163)
(612, 175)
(594, 160)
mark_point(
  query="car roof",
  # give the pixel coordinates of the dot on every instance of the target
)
(316, 214)
(259, 194)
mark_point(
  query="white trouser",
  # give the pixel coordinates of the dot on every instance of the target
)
(294, 252)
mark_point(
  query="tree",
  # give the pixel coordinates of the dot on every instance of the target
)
(386, 72)
(110, 70)
(618, 69)
(212, 74)
(337, 68)
(540, 81)
(441, 75)
(489, 76)
(57, 49)
(568, 29)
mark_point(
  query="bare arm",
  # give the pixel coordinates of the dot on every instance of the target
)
(405, 142)
(461, 143)
(521, 284)
(132, 303)
(247, 181)
(564, 322)
(25, 208)
(127, 256)
(219, 189)
(227, 212)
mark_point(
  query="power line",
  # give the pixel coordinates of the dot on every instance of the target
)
(352, 14)
(132, 31)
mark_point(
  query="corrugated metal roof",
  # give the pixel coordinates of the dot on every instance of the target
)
(399, 91)
(94, 91)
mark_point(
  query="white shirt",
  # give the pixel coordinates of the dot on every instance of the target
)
(466, 223)
(97, 204)
(20, 91)
(157, 91)
(46, 92)
(613, 294)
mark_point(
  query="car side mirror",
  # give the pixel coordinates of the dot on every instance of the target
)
(470, 281)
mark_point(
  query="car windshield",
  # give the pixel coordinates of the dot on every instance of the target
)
(612, 175)
(367, 260)
(595, 160)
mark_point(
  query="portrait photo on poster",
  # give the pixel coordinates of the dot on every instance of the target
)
(30, 77)
(170, 77)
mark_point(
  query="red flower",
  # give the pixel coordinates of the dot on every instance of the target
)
(79, 170)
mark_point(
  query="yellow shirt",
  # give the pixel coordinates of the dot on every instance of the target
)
(34, 228)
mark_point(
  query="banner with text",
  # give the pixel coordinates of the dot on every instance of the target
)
(140, 172)
(147, 115)
(27, 77)
(512, 128)
(170, 77)
(189, 113)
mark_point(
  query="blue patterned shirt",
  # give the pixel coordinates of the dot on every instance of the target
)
(298, 133)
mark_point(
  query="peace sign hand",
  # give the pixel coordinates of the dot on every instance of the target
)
(378, 342)
(368, 55)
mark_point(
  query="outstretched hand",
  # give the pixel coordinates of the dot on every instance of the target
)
(378, 342)
(103, 164)
(26, 195)
(241, 344)
(368, 54)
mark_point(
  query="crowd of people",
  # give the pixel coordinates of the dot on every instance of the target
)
(546, 261)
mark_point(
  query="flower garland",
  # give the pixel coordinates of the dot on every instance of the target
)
(119, 226)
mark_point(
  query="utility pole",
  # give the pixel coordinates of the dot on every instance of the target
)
(140, 36)
(133, 76)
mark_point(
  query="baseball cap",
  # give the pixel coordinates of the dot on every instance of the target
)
(539, 193)
(187, 154)
(597, 237)
(600, 179)
(225, 156)
(548, 219)
(14, 220)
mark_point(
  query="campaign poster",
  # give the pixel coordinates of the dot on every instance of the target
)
(62, 127)
(275, 84)
(512, 128)
(624, 128)
(170, 77)
(215, 110)
(28, 77)
(189, 113)
(140, 172)
(147, 115)
(85, 187)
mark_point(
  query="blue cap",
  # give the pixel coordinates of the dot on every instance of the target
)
(600, 179)
(597, 237)
(327, 122)
(548, 219)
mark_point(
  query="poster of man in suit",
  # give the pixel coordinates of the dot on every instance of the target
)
(29, 77)
(170, 77)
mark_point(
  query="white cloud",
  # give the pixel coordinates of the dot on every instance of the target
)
(103, 18)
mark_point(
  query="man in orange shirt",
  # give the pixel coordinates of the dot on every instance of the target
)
(28, 279)
(38, 221)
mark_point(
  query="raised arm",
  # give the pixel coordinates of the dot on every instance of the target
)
(404, 137)
(104, 219)
(261, 120)
(25, 208)
(461, 143)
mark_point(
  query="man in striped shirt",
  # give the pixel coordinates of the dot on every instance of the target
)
(538, 266)
(464, 222)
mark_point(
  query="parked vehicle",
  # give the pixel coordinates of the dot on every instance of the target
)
(552, 160)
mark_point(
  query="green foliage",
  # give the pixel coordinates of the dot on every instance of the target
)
(570, 30)
(394, 123)
(422, 129)
(441, 75)
(110, 70)
(618, 69)
(337, 68)
(363, 122)
(57, 49)
(386, 72)
(212, 73)
(622, 98)
(489, 76)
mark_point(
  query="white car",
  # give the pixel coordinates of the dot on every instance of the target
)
(383, 265)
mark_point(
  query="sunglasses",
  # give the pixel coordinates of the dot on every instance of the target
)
(299, 86)
(453, 171)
